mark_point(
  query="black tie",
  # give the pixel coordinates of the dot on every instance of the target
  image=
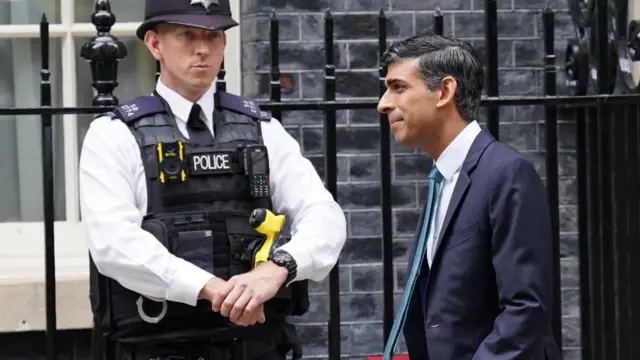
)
(196, 127)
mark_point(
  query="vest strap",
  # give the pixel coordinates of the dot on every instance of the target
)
(139, 107)
(242, 106)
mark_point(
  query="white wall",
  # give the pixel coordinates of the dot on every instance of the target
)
(22, 287)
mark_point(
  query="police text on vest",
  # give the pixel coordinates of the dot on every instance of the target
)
(210, 163)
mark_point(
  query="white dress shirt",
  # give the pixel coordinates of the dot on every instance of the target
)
(113, 200)
(449, 164)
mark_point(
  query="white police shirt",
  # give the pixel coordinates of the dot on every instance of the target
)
(113, 200)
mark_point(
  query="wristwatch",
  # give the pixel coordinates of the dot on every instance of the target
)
(284, 259)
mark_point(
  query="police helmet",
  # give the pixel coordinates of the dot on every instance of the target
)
(204, 14)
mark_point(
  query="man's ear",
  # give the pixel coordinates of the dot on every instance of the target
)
(448, 87)
(152, 41)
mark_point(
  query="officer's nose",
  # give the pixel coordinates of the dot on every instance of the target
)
(202, 48)
(386, 104)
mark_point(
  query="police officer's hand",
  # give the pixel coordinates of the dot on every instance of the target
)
(215, 290)
(250, 291)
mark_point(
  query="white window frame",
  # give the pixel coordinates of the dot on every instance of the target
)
(22, 255)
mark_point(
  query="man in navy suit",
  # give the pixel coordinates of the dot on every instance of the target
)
(479, 284)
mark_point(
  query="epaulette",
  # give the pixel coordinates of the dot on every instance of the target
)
(242, 106)
(139, 107)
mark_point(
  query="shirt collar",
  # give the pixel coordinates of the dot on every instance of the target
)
(453, 156)
(181, 107)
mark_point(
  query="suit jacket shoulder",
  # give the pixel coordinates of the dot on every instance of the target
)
(502, 162)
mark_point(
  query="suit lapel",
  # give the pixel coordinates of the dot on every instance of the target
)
(479, 145)
(458, 193)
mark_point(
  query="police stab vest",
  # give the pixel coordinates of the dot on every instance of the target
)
(199, 205)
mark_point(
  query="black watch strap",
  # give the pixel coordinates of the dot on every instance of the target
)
(284, 259)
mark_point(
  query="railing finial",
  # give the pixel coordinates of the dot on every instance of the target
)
(103, 52)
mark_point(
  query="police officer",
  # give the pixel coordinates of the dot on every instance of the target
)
(169, 187)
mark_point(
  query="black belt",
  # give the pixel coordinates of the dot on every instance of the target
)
(241, 349)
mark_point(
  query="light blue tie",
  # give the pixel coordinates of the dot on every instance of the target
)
(435, 178)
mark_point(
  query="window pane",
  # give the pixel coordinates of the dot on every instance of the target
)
(136, 77)
(124, 10)
(20, 136)
(28, 11)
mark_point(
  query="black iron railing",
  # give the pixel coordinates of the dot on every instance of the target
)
(599, 60)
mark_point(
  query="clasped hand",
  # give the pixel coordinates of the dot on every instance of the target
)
(242, 298)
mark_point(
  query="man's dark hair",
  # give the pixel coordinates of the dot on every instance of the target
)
(439, 57)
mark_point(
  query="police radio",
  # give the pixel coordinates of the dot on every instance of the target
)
(256, 167)
(172, 166)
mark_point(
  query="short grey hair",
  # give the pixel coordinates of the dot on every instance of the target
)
(440, 56)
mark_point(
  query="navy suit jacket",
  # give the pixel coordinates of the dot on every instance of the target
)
(488, 293)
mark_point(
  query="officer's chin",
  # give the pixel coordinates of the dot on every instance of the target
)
(201, 81)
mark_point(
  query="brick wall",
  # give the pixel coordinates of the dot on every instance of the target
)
(355, 27)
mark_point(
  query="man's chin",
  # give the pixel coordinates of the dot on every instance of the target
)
(403, 139)
(400, 136)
